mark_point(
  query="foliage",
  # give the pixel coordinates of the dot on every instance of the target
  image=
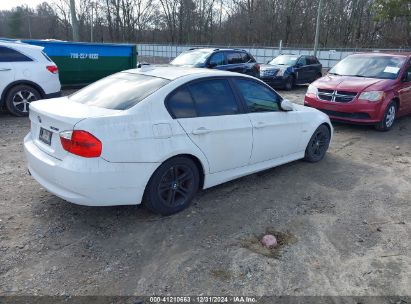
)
(344, 23)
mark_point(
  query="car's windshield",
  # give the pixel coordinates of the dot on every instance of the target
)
(383, 67)
(120, 91)
(190, 58)
(284, 60)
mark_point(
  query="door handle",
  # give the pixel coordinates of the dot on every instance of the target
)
(201, 131)
(260, 125)
(3, 70)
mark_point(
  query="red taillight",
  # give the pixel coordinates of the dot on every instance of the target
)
(52, 69)
(257, 66)
(81, 143)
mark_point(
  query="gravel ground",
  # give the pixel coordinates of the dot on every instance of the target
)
(344, 226)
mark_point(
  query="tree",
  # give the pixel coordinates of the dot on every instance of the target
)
(74, 22)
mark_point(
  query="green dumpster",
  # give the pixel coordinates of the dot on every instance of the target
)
(82, 63)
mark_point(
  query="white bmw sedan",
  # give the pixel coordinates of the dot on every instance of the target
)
(159, 134)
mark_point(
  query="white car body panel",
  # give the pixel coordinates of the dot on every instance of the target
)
(90, 182)
(7, 75)
(138, 140)
(275, 135)
(34, 71)
(209, 134)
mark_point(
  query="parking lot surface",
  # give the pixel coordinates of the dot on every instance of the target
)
(344, 226)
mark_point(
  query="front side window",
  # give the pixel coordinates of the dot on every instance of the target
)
(214, 97)
(217, 59)
(180, 104)
(234, 58)
(120, 91)
(258, 97)
(408, 71)
(302, 61)
(10, 55)
(381, 67)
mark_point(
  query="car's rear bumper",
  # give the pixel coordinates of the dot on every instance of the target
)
(52, 95)
(353, 112)
(86, 181)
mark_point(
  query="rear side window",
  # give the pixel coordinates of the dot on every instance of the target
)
(258, 97)
(234, 58)
(120, 91)
(246, 58)
(213, 97)
(312, 60)
(10, 55)
(180, 104)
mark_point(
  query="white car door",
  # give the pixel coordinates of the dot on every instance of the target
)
(211, 115)
(276, 133)
(7, 73)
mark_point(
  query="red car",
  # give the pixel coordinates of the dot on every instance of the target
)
(370, 88)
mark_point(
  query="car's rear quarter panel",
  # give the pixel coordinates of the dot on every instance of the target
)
(144, 134)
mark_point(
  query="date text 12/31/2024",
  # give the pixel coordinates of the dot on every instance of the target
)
(203, 299)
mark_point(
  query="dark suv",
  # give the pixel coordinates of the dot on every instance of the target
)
(288, 70)
(234, 60)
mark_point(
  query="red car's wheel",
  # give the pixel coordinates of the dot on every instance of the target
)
(389, 117)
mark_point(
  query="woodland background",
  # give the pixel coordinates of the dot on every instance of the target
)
(344, 23)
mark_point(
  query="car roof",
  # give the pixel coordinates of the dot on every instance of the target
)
(371, 54)
(174, 72)
(19, 45)
(215, 49)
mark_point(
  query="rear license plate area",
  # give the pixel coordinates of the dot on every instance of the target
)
(45, 136)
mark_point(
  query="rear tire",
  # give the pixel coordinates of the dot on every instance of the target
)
(172, 186)
(18, 99)
(389, 118)
(318, 144)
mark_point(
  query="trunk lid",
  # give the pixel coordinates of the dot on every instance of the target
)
(49, 117)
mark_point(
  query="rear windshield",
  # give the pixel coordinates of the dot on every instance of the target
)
(120, 91)
(382, 67)
(45, 55)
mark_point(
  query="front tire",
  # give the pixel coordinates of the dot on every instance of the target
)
(18, 99)
(318, 144)
(389, 118)
(289, 83)
(172, 186)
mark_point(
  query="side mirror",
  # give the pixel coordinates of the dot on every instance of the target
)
(287, 105)
(141, 64)
(407, 76)
(212, 65)
(298, 65)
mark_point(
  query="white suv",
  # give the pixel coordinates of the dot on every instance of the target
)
(26, 74)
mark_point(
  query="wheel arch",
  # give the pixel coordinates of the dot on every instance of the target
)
(19, 82)
(328, 126)
(199, 164)
(397, 101)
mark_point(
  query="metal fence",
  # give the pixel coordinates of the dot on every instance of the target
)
(328, 57)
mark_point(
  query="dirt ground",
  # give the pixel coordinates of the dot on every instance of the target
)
(344, 226)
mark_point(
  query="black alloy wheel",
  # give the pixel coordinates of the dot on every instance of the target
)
(318, 144)
(172, 186)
